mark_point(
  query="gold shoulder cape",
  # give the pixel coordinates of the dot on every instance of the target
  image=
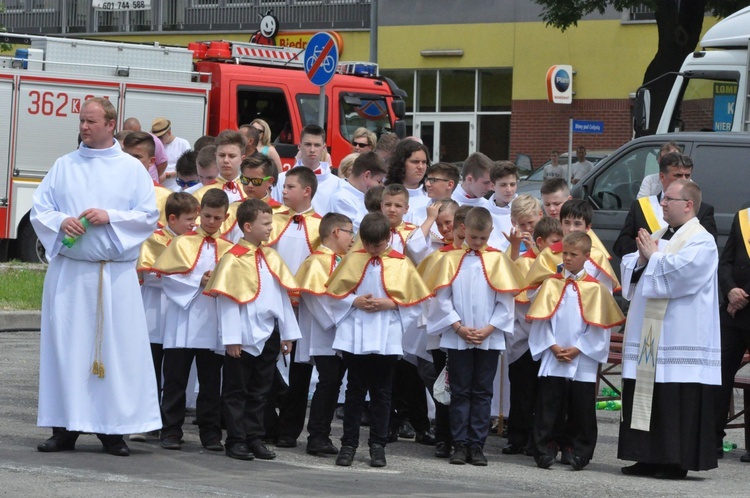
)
(152, 248)
(231, 220)
(283, 218)
(314, 271)
(597, 244)
(400, 279)
(236, 275)
(499, 272)
(161, 203)
(184, 251)
(220, 182)
(596, 304)
(524, 263)
(404, 231)
(427, 263)
(547, 261)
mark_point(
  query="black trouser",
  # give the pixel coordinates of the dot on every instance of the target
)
(471, 373)
(157, 354)
(177, 363)
(523, 376)
(566, 404)
(734, 342)
(243, 401)
(409, 398)
(260, 376)
(331, 371)
(72, 436)
(294, 404)
(373, 373)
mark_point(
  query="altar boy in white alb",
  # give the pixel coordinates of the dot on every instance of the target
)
(95, 371)
(572, 315)
(672, 348)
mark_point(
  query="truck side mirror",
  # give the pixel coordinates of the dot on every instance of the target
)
(399, 128)
(399, 108)
(641, 110)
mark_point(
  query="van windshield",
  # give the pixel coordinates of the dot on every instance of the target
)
(707, 105)
(366, 111)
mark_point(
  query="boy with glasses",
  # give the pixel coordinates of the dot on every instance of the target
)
(258, 173)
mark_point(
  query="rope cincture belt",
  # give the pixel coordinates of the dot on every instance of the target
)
(98, 367)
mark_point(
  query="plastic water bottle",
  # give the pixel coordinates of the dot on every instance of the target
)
(729, 446)
(69, 240)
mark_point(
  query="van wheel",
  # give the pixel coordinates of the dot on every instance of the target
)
(28, 247)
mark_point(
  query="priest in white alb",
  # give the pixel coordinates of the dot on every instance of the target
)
(95, 372)
(672, 347)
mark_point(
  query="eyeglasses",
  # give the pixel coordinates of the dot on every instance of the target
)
(670, 199)
(260, 130)
(185, 184)
(360, 144)
(257, 182)
(351, 232)
(432, 179)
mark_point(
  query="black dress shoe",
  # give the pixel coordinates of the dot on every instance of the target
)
(566, 456)
(377, 455)
(640, 469)
(746, 457)
(214, 445)
(239, 451)
(460, 455)
(426, 438)
(346, 456)
(443, 449)
(321, 447)
(544, 461)
(171, 443)
(260, 450)
(114, 444)
(670, 472)
(286, 442)
(406, 431)
(476, 457)
(513, 449)
(578, 463)
(61, 440)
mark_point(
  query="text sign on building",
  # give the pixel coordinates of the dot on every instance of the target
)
(595, 127)
(560, 84)
(725, 97)
(321, 58)
(121, 5)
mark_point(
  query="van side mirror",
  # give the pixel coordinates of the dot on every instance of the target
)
(641, 111)
(399, 108)
(399, 128)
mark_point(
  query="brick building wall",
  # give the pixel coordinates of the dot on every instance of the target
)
(537, 127)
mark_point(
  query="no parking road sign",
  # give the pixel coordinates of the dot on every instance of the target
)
(321, 58)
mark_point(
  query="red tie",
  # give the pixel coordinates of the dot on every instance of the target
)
(375, 261)
(318, 171)
(209, 240)
(299, 220)
(231, 186)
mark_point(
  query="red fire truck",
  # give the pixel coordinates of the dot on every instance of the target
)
(203, 89)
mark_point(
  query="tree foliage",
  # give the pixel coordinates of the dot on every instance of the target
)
(563, 14)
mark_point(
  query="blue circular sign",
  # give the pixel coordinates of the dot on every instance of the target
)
(321, 58)
(562, 80)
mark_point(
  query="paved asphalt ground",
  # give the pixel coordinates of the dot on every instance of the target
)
(412, 470)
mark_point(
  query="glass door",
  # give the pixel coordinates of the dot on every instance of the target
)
(448, 138)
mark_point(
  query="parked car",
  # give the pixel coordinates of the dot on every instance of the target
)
(532, 183)
(721, 168)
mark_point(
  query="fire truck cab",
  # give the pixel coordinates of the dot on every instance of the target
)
(202, 89)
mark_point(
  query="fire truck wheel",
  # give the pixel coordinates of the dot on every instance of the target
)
(28, 246)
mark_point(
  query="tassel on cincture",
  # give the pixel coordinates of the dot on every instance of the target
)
(98, 369)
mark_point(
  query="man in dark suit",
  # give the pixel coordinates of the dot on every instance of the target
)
(734, 313)
(646, 212)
